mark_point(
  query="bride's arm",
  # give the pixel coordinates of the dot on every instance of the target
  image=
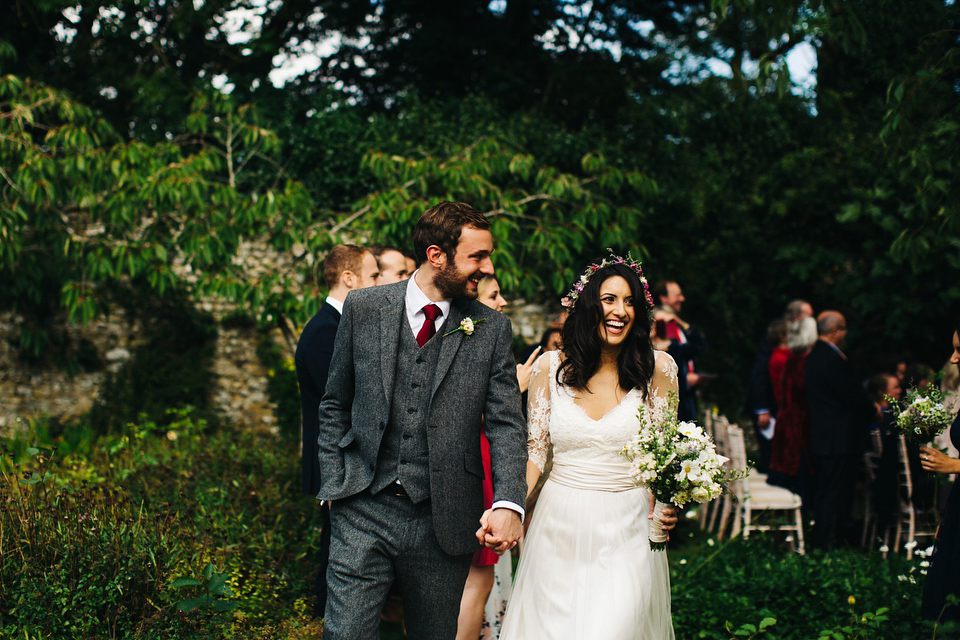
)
(538, 420)
(665, 382)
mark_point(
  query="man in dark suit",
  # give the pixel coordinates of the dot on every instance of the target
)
(840, 412)
(346, 267)
(417, 368)
(686, 343)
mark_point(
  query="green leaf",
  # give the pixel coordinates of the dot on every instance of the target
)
(185, 582)
(224, 605)
(189, 604)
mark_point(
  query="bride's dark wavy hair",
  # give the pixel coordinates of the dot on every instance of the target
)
(581, 336)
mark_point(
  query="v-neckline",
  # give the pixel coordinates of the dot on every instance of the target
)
(608, 412)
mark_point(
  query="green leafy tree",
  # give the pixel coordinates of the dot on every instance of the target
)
(84, 214)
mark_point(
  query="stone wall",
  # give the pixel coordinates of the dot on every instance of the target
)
(240, 388)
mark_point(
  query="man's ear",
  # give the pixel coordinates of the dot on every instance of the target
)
(348, 279)
(436, 258)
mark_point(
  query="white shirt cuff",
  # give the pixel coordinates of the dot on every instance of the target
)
(506, 504)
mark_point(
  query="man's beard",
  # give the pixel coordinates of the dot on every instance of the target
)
(451, 283)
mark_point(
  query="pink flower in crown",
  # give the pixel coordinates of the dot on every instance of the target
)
(569, 301)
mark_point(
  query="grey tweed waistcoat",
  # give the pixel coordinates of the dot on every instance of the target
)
(403, 450)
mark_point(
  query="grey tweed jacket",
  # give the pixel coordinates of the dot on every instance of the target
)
(475, 383)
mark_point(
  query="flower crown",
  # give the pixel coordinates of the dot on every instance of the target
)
(570, 299)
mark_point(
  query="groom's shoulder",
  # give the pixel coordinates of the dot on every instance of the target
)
(378, 295)
(477, 310)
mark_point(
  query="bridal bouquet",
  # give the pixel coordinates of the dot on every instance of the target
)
(677, 462)
(922, 416)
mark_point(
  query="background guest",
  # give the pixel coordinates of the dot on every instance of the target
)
(943, 577)
(393, 264)
(761, 395)
(791, 462)
(840, 412)
(881, 387)
(345, 268)
(686, 344)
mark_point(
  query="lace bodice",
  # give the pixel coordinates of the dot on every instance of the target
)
(583, 446)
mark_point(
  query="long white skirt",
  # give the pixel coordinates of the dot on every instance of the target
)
(587, 572)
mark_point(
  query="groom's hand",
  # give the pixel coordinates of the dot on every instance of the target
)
(500, 529)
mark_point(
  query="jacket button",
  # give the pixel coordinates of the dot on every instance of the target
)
(411, 410)
(415, 385)
(419, 360)
(402, 461)
(407, 436)
(383, 425)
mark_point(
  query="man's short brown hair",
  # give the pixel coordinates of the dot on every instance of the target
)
(441, 225)
(342, 257)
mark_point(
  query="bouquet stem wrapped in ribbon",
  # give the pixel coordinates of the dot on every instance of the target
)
(677, 462)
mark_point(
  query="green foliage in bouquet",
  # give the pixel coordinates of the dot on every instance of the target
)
(676, 461)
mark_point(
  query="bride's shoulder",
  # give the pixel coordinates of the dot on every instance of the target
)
(546, 361)
(665, 364)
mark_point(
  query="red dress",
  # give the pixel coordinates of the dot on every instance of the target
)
(485, 557)
(777, 363)
(791, 438)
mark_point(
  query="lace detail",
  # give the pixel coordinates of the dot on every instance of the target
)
(554, 417)
(538, 411)
(668, 367)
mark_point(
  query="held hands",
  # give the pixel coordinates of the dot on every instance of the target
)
(500, 530)
(668, 517)
(938, 462)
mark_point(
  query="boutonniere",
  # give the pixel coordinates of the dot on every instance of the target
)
(467, 325)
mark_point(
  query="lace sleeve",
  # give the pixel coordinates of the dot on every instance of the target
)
(538, 411)
(664, 382)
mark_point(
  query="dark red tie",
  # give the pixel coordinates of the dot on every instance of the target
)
(432, 312)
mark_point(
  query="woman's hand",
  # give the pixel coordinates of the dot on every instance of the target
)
(525, 370)
(937, 461)
(668, 516)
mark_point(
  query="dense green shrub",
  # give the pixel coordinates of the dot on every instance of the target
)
(91, 543)
(95, 534)
(717, 588)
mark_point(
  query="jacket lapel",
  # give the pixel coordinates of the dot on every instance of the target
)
(393, 320)
(449, 344)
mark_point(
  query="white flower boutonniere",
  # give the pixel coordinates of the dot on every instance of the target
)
(467, 325)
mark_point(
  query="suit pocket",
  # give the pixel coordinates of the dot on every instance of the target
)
(473, 464)
(346, 440)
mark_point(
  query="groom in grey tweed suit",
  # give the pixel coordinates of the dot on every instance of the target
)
(407, 396)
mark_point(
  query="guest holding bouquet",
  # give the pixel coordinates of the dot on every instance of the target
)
(587, 570)
(943, 578)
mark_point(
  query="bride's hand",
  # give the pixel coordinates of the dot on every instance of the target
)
(668, 516)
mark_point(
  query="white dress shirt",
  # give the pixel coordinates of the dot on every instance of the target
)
(336, 304)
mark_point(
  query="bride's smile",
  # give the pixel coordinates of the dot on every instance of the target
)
(616, 300)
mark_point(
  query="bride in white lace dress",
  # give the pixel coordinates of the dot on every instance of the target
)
(586, 570)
